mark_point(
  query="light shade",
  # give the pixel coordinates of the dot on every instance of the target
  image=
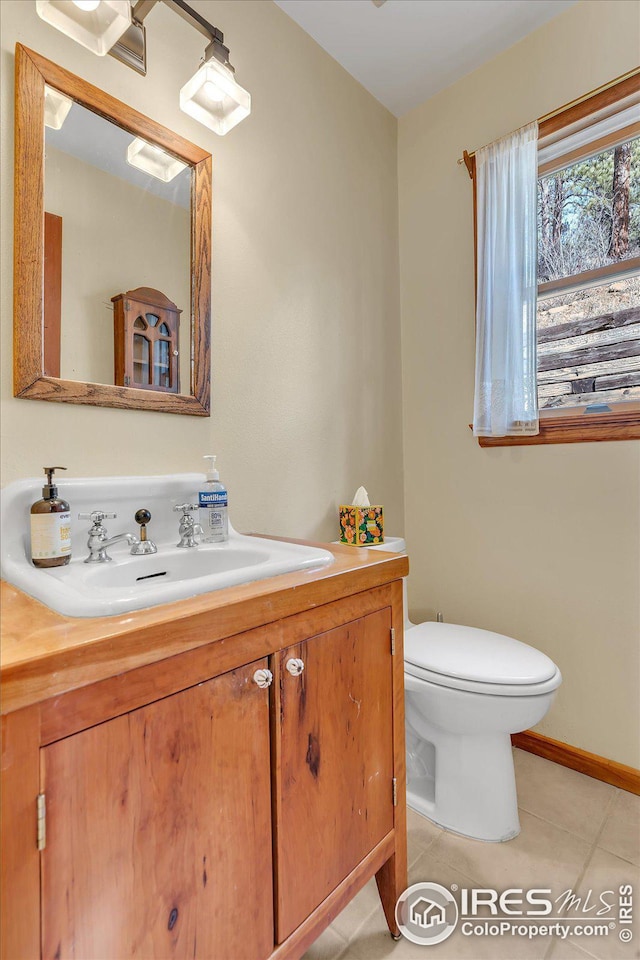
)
(96, 29)
(213, 97)
(153, 160)
(56, 108)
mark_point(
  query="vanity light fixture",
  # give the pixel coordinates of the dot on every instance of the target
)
(212, 96)
(154, 160)
(96, 24)
(56, 108)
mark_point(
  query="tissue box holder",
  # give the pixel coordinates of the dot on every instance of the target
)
(361, 526)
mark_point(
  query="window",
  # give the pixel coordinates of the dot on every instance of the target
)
(588, 316)
(588, 313)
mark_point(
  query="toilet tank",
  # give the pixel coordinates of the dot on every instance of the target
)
(396, 545)
(391, 545)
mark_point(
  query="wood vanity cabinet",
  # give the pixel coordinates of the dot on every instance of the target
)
(191, 812)
(159, 829)
(334, 760)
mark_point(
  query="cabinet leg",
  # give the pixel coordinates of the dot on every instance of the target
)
(391, 879)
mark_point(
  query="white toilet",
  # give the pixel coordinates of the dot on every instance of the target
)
(466, 692)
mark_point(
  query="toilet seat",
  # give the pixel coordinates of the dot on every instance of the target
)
(496, 689)
(466, 658)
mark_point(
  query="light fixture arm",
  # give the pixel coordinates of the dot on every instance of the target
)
(131, 48)
(216, 47)
(193, 17)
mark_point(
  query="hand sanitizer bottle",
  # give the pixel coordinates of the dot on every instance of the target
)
(213, 503)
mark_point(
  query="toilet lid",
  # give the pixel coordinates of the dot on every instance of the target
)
(473, 654)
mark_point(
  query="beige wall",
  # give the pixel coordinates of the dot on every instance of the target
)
(115, 237)
(541, 543)
(305, 328)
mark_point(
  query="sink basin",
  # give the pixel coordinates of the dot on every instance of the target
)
(173, 565)
(128, 582)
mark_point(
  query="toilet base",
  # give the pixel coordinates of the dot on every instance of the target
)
(464, 783)
(426, 808)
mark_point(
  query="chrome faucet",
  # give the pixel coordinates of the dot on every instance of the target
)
(188, 529)
(99, 542)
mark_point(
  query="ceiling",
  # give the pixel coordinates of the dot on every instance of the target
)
(405, 51)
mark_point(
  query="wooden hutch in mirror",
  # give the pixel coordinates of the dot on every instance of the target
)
(146, 327)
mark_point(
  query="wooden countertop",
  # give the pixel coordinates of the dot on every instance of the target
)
(43, 654)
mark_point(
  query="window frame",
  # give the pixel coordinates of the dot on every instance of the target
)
(572, 425)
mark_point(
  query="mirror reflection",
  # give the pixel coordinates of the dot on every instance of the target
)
(117, 301)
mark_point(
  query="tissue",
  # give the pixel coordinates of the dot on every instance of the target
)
(361, 523)
(361, 498)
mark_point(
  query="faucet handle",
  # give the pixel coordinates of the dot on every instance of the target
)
(143, 545)
(188, 528)
(142, 516)
(97, 516)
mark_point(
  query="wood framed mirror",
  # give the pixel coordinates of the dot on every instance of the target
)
(138, 254)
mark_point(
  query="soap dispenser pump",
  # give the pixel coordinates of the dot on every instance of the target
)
(50, 526)
(213, 503)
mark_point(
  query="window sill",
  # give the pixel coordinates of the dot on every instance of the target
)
(577, 427)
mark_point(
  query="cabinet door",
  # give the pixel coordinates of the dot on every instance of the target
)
(159, 830)
(334, 761)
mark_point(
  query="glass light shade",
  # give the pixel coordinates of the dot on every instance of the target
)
(96, 29)
(153, 160)
(213, 97)
(56, 108)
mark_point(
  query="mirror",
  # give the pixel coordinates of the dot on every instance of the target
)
(112, 250)
(111, 227)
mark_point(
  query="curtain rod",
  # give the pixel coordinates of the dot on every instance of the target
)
(467, 156)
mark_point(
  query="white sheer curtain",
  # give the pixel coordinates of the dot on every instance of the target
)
(506, 399)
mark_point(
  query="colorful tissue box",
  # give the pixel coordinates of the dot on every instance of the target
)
(361, 526)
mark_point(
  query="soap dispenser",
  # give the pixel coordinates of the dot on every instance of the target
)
(50, 526)
(213, 503)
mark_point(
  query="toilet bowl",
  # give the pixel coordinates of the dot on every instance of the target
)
(466, 691)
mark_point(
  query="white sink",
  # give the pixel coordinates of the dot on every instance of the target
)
(133, 582)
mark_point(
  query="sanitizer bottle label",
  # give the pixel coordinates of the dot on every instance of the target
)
(213, 498)
(213, 515)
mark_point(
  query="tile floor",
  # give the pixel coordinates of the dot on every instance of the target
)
(576, 832)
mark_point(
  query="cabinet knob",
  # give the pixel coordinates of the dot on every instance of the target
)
(263, 678)
(295, 666)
